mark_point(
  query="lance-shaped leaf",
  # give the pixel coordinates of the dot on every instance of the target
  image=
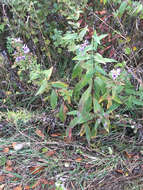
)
(82, 58)
(83, 32)
(100, 59)
(122, 8)
(84, 98)
(59, 84)
(48, 73)
(87, 132)
(43, 87)
(96, 106)
(62, 114)
(53, 99)
(85, 80)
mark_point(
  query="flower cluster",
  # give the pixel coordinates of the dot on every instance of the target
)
(115, 73)
(21, 50)
(83, 46)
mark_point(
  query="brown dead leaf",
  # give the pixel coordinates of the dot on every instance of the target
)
(2, 177)
(13, 144)
(36, 184)
(39, 133)
(55, 134)
(9, 163)
(51, 182)
(78, 159)
(44, 181)
(36, 169)
(8, 168)
(65, 109)
(88, 166)
(68, 140)
(9, 175)
(128, 155)
(6, 150)
(50, 153)
(119, 171)
(27, 187)
(18, 187)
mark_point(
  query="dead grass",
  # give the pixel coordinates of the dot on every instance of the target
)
(44, 162)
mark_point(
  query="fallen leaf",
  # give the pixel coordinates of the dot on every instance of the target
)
(6, 150)
(9, 175)
(78, 159)
(128, 155)
(68, 140)
(37, 183)
(87, 166)
(18, 188)
(39, 133)
(27, 187)
(2, 177)
(55, 134)
(8, 162)
(119, 171)
(36, 169)
(8, 168)
(65, 109)
(44, 181)
(50, 153)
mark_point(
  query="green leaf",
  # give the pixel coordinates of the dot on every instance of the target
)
(82, 58)
(43, 87)
(100, 70)
(97, 107)
(99, 38)
(127, 51)
(62, 115)
(70, 36)
(59, 84)
(122, 8)
(99, 59)
(2, 161)
(94, 129)
(136, 101)
(87, 132)
(81, 119)
(53, 99)
(139, 8)
(85, 80)
(116, 99)
(117, 90)
(74, 122)
(84, 98)
(112, 108)
(48, 73)
(83, 32)
(74, 112)
(106, 124)
(77, 71)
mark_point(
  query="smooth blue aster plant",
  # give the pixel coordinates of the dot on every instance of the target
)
(115, 73)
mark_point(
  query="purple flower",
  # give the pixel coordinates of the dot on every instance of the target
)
(115, 73)
(83, 46)
(20, 58)
(26, 49)
(17, 40)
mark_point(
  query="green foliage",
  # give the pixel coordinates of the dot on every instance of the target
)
(19, 116)
(58, 38)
